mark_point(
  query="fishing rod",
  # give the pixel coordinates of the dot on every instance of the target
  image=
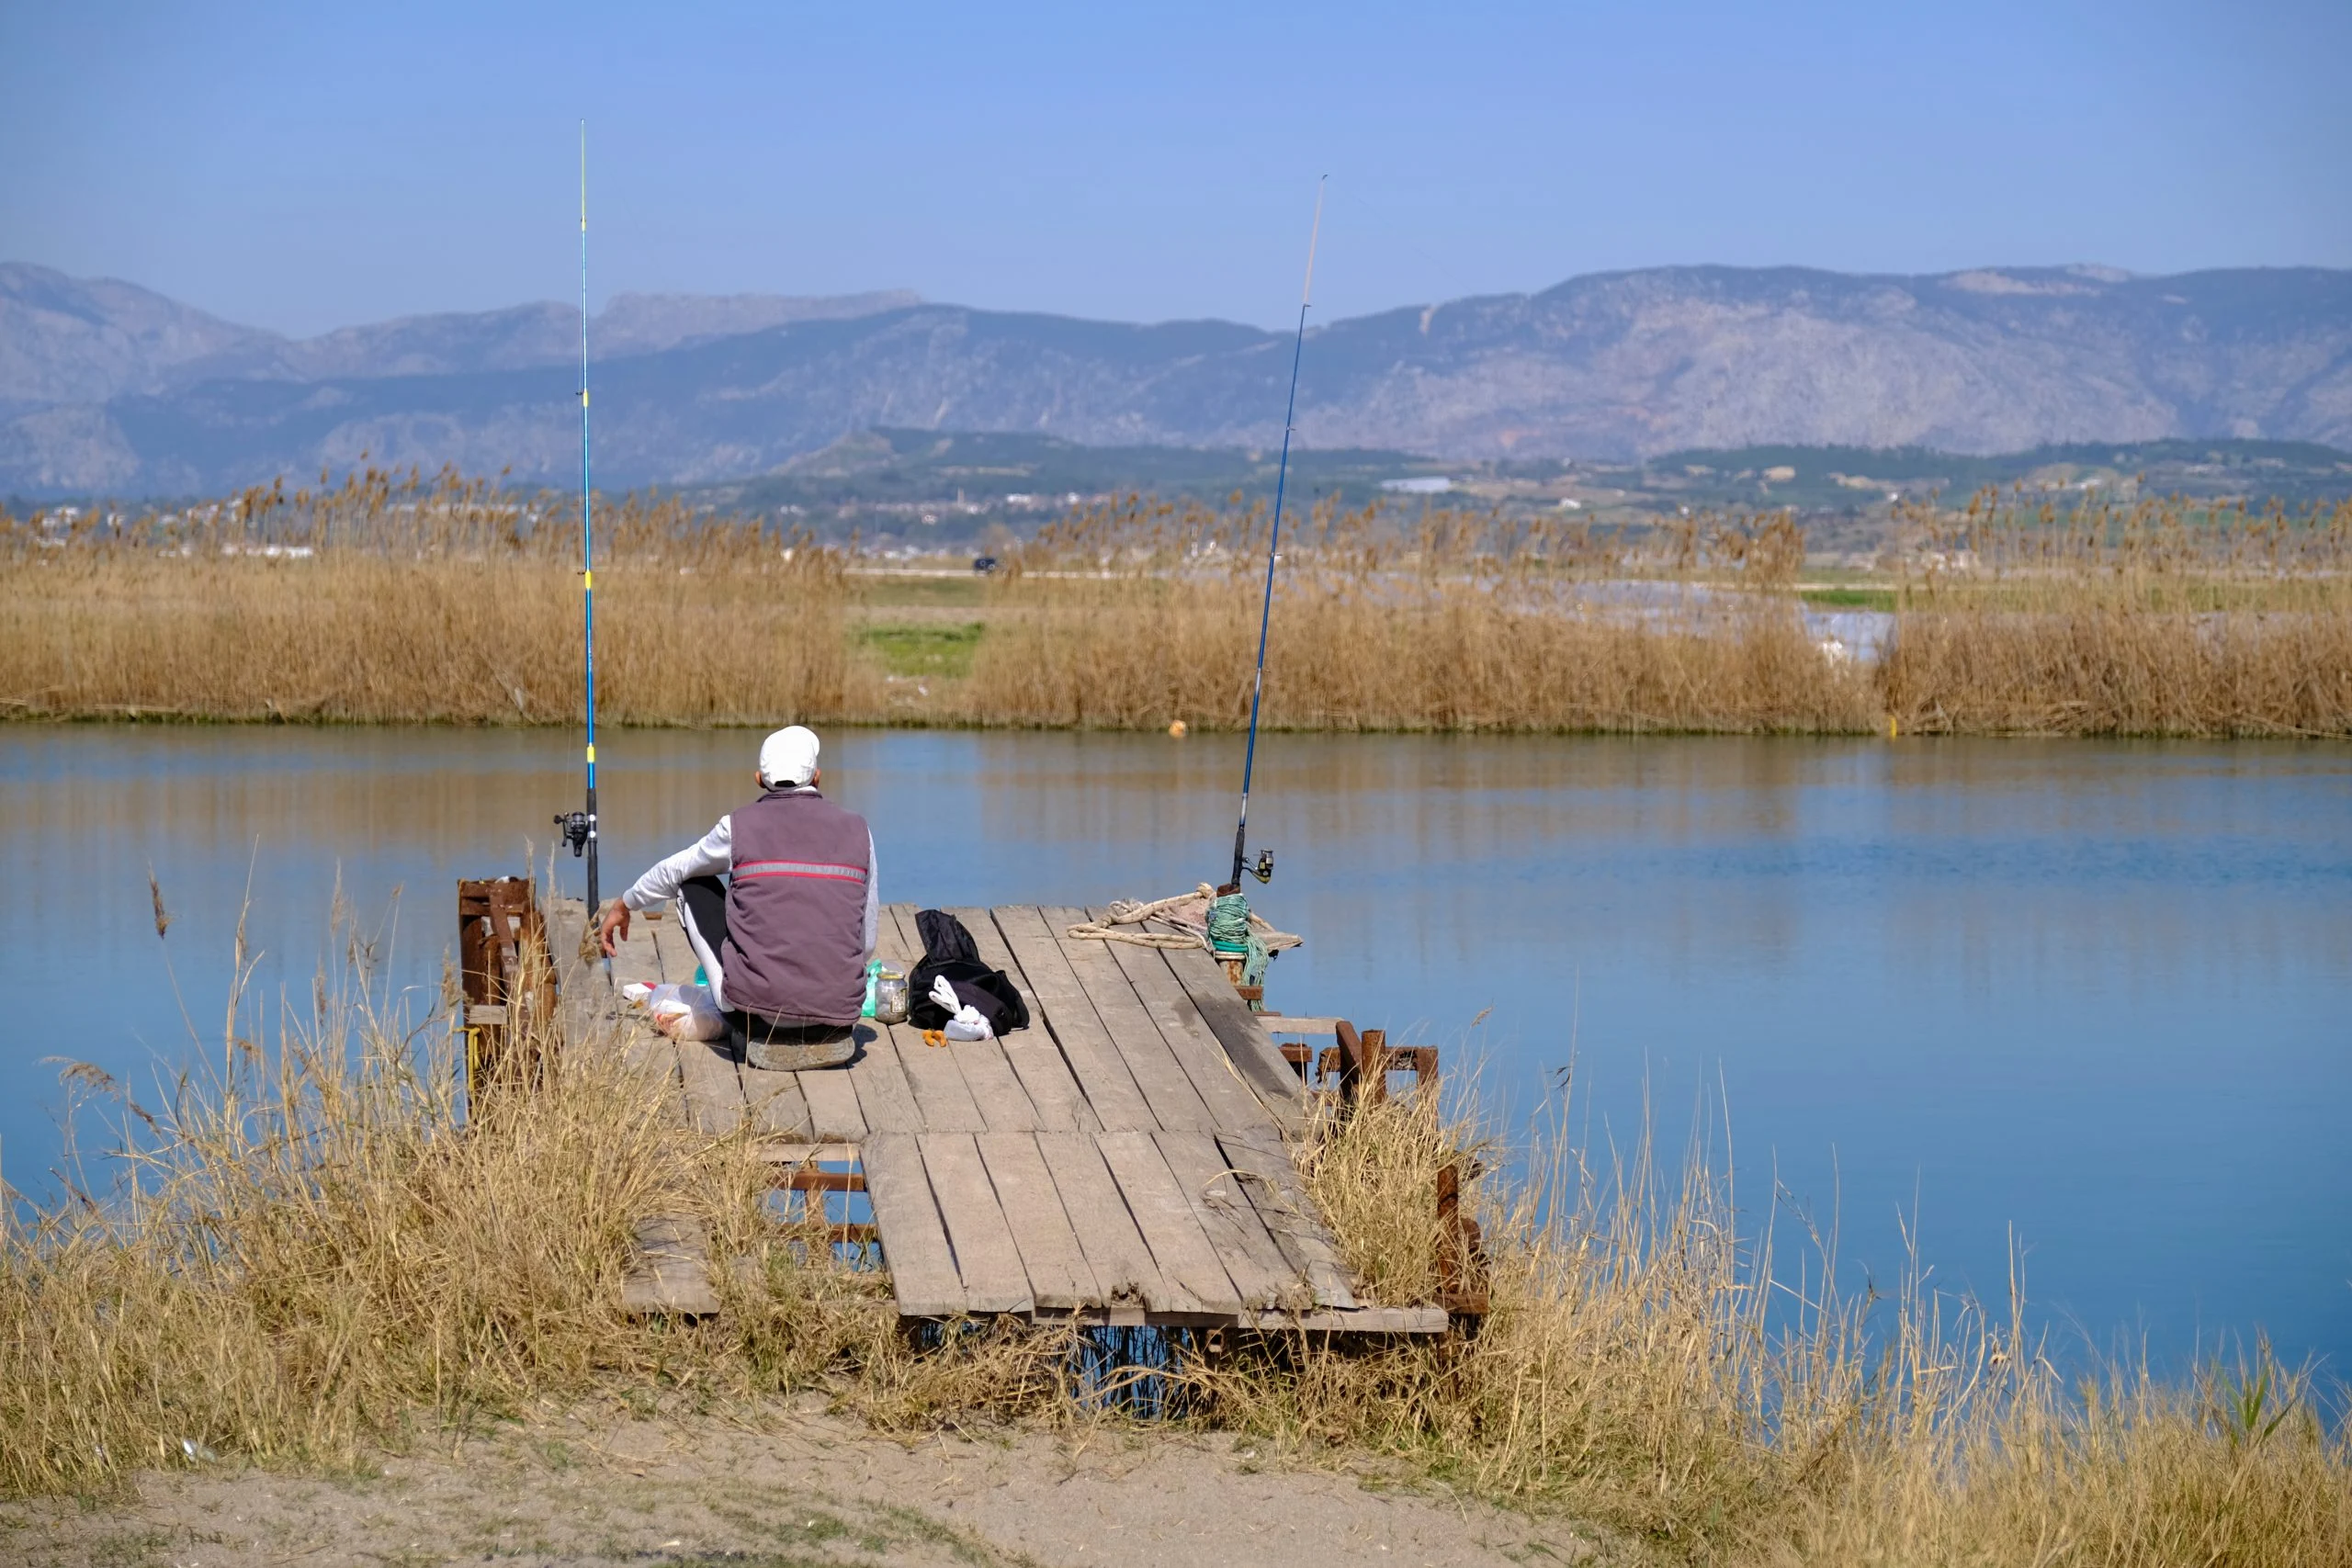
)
(1264, 869)
(580, 827)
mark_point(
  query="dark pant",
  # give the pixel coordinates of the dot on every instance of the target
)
(702, 910)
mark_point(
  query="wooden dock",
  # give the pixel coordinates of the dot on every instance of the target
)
(1122, 1161)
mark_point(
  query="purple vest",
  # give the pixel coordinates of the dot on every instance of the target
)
(796, 909)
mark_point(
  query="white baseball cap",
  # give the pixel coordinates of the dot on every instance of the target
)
(788, 757)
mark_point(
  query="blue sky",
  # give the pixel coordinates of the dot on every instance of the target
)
(302, 167)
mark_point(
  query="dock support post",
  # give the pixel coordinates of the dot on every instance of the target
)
(506, 984)
(1461, 1255)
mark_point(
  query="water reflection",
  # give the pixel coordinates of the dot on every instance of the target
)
(2094, 991)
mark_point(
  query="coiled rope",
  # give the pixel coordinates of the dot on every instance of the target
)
(1224, 926)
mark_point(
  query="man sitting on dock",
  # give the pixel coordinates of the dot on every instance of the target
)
(785, 940)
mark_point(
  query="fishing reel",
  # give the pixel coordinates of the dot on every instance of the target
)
(1264, 870)
(578, 828)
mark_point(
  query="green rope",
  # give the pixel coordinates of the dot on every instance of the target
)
(1230, 923)
(1231, 935)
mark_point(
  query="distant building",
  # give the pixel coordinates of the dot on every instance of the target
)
(1421, 484)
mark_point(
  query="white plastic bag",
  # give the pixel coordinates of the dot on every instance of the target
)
(681, 1012)
(966, 1022)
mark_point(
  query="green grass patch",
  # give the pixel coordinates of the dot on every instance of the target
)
(908, 588)
(939, 652)
(1851, 598)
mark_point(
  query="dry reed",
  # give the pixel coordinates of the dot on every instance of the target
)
(1644, 1369)
(2109, 619)
(313, 1252)
(449, 601)
(418, 601)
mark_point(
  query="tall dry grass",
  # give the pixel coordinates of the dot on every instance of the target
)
(1650, 1367)
(303, 1252)
(2116, 617)
(310, 1251)
(1139, 614)
(404, 598)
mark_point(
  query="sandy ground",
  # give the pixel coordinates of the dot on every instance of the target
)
(804, 1489)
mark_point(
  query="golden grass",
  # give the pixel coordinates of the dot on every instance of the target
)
(448, 601)
(313, 1252)
(1645, 1369)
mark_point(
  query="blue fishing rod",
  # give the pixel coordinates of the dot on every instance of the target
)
(1264, 870)
(580, 827)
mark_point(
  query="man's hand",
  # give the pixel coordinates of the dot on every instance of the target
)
(612, 927)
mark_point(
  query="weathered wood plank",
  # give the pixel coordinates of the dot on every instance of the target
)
(671, 1270)
(884, 1097)
(1115, 1251)
(776, 1105)
(1053, 1088)
(1279, 1193)
(1234, 1104)
(1050, 1253)
(1173, 1100)
(1095, 1061)
(1158, 1003)
(1251, 1049)
(1260, 1272)
(941, 1096)
(715, 1102)
(1023, 1055)
(986, 1259)
(833, 1113)
(1179, 1248)
(914, 1236)
(1362, 1320)
(894, 937)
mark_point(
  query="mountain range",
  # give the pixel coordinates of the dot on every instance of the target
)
(105, 386)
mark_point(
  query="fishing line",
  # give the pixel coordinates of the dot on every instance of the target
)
(1265, 867)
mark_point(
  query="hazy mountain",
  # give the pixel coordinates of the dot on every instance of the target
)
(66, 340)
(1616, 366)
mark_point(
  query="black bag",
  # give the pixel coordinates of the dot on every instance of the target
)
(948, 950)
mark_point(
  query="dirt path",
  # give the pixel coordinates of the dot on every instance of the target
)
(813, 1490)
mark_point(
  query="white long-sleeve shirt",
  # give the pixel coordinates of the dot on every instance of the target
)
(713, 854)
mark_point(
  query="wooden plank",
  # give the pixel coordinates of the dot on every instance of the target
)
(1362, 1320)
(714, 1101)
(776, 1105)
(1050, 1254)
(671, 1270)
(986, 1259)
(1077, 1029)
(988, 1071)
(1260, 1272)
(942, 1099)
(782, 1153)
(1232, 1105)
(884, 1097)
(1165, 1085)
(914, 1236)
(1250, 1048)
(1115, 1248)
(1179, 1246)
(1279, 1193)
(833, 1113)
(1053, 1088)
(941, 1096)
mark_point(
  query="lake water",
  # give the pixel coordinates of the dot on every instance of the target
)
(2095, 996)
